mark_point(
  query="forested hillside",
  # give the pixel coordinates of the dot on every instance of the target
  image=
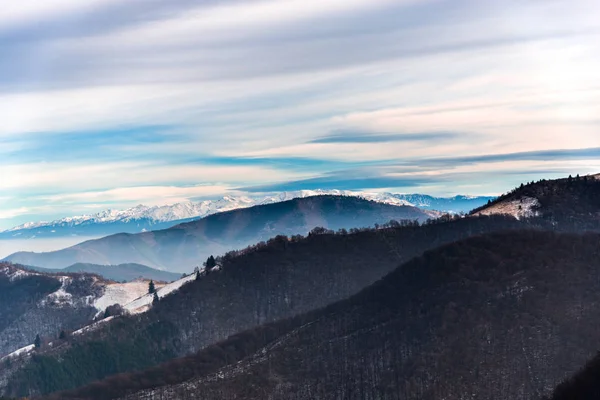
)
(281, 278)
(32, 304)
(574, 200)
(501, 316)
(275, 280)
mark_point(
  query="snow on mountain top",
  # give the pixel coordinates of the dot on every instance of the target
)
(189, 210)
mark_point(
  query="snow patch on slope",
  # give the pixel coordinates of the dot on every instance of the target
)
(14, 273)
(143, 303)
(23, 350)
(122, 293)
(133, 297)
(93, 326)
(61, 296)
(524, 207)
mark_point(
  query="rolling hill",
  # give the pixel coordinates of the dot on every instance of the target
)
(279, 279)
(500, 316)
(36, 302)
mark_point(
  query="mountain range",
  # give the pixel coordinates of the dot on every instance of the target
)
(143, 218)
(184, 246)
(499, 303)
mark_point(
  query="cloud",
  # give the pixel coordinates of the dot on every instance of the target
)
(111, 102)
(15, 212)
(150, 195)
(552, 155)
(367, 137)
(64, 177)
(336, 181)
(448, 176)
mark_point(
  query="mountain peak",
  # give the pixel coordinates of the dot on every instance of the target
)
(143, 218)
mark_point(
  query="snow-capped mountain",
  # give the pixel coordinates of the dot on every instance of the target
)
(142, 218)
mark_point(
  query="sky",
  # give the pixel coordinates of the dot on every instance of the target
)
(109, 104)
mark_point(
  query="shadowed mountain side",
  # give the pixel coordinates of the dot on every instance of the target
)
(269, 282)
(502, 316)
(584, 385)
(88, 230)
(184, 246)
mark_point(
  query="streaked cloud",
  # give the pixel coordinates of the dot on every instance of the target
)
(367, 137)
(107, 103)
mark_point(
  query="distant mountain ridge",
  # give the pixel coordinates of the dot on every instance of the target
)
(121, 272)
(143, 218)
(183, 246)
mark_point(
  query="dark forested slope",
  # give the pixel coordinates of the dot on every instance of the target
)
(501, 316)
(584, 385)
(573, 200)
(268, 282)
(36, 303)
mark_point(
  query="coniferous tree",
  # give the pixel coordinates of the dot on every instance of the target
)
(155, 299)
(38, 342)
(151, 287)
(210, 264)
